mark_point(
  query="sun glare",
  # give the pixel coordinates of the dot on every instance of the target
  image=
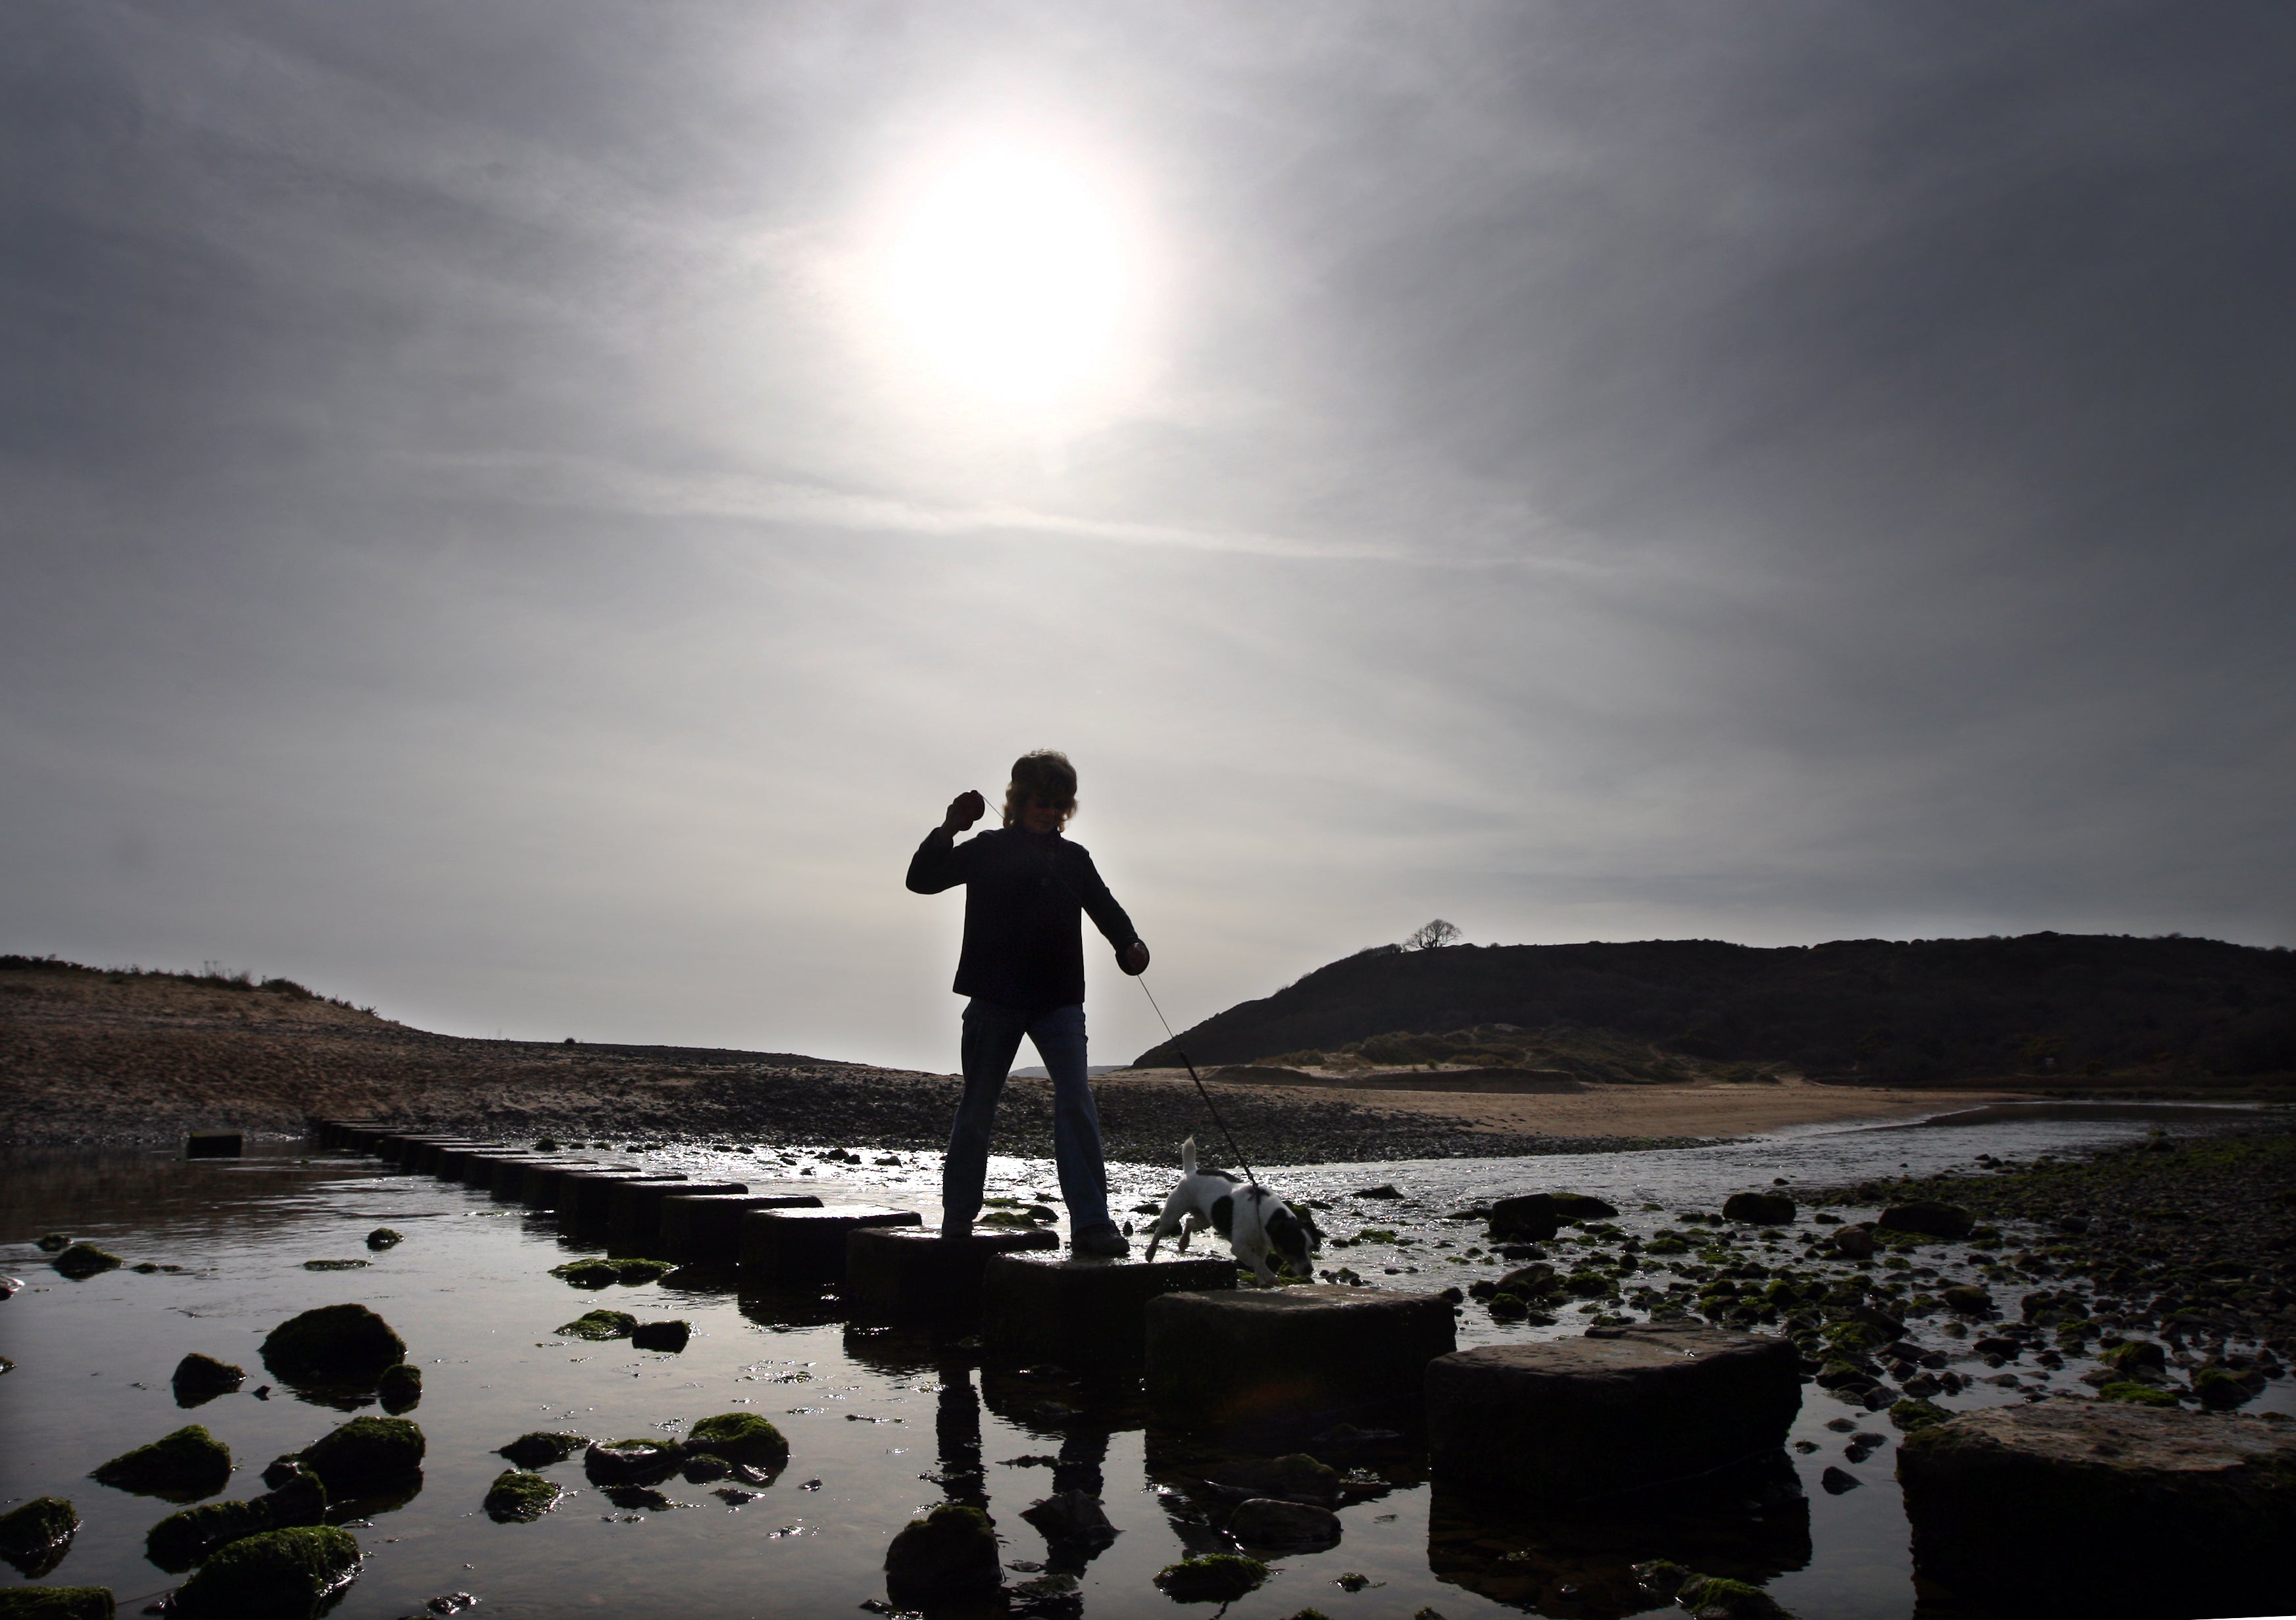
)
(1009, 273)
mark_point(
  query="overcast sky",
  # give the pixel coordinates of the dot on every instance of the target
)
(522, 513)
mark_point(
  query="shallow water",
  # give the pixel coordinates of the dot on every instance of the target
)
(874, 1415)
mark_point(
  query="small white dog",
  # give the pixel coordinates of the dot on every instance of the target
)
(1258, 1225)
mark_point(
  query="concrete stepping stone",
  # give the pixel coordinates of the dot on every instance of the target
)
(1619, 1409)
(427, 1155)
(1270, 1358)
(508, 1176)
(1085, 1311)
(634, 1208)
(584, 1196)
(706, 1226)
(398, 1146)
(474, 1164)
(538, 1185)
(791, 1246)
(2098, 1507)
(908, 1273)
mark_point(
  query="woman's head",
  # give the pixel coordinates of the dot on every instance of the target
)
(1046, 780)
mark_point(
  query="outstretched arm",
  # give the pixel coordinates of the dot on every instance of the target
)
(1108, 918)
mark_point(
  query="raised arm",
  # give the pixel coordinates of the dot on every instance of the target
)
(937, 864)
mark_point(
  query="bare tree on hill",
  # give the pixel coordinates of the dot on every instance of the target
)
(1432, 936)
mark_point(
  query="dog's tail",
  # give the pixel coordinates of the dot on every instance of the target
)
(1188, 1157)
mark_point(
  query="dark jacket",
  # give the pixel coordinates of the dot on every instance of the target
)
(1022, 893)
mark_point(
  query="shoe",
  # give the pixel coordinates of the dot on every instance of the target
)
(956, 1229)
(1102, 1243)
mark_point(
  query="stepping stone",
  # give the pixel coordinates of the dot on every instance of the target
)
(2098, 1507)
(474, 1165)
(783, 1245)
(398, 1146)
(538, 1185)
(508, 1177)
(709, 1225)
(584, 1196)
(212, 1144)
(1619, 1409)
(425, 1156)
(1270, 1358)
(634, 1208)
(905, 1271)
(1084, 1312)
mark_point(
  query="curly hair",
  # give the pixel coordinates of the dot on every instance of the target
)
(1042, 774)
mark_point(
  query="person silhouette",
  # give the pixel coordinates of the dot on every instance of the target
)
(1026, 889)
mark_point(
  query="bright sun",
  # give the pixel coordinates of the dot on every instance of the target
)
(1011, 273)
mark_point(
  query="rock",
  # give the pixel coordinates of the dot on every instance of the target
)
(1621, 1408)
(35, 1536)
(2220, 1388)
(1268, 1521)
(542, 1447)
(56, 1603)
(1075, 1517)
(741, 1437)
(1283, 1358)
(383, 1237)
(401, 1388)
(1760, 1208)
(2131, 1394)
(364, 1455)
(334, 1343)
(1968, 1299)
(2009, 1503)
(82, 1260)
(670, 1335)
(333, 1265)
(182, 1466)
(201, 1378)
(699, 1468)
(1913, 1414)
(278, 1574)
(1297, 1478)
(1715, 1598)
(636, 1462)
(598, 1326)
(1216, 1577)
(181, 1540)
(1537, 1281)
(50, 1243)
(1928, 1218)
(1385, 1190)
(595, 1272)
(1538, 1216)
(519, 1498)
(1836, 1481)
(2136, 1353)
(1854, 1242)
(948, 1557)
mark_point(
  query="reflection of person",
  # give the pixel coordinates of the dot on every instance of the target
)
(1022, 966)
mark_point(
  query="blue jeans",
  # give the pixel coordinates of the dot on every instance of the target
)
(992, 1038)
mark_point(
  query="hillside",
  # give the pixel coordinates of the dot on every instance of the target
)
(2090, 1007)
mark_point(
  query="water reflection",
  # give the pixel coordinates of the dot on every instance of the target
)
(1750, 1524)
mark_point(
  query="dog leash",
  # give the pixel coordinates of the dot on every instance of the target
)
(1250, 1177)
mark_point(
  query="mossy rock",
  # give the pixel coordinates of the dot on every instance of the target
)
(599, 1326)
(182, 1466)
(1930, 1218)
(365, 1453)
(35, 1536)
(631, 1462)
(201, 1378)
(384, 1237)
(542, 1447)
(948, 1557)
(741, 1437)
(56, 1603)
(519, 1498)
(279, 1574)
(2135, 1353)
(334, 1343)
(181, 1540)
(598, 1270)
(401, 1388)
(1913, 1413)
(1216, 1577)
(2132, 1393)
(1760, 1208)
(82, 1260)
(670, 1336)
(1717, 1597)
(1968, 1300)
(2220, 1389)
(50, 1243)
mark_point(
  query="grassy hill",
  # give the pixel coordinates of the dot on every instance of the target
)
(1923, 1011)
